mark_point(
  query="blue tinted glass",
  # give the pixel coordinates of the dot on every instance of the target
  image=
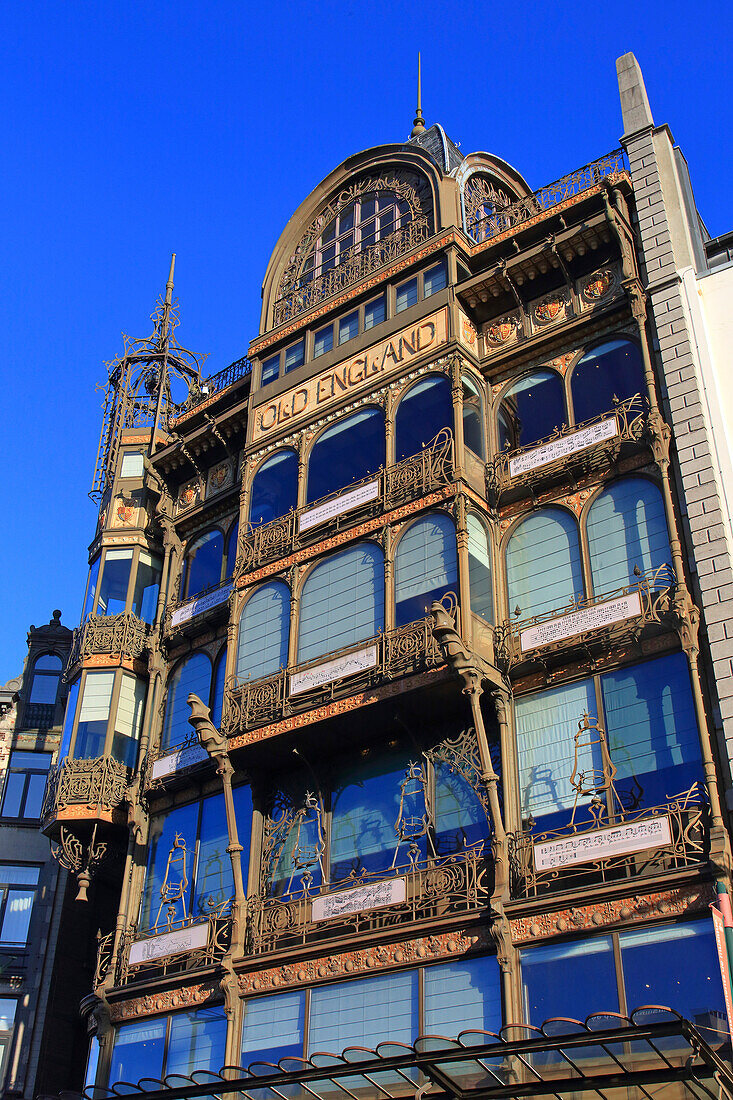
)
(217, 694)
(145, 594)
(627, 530)
(375, 312)
(171, 853)
(301, 852)
(115, 579)
(264, 629)
(425, 410)
(544, 571)
(138, 1051)
(197, 1041)
(214, 885)
(435, 279)
(273, 1028)
(270, 369)
(274, 488)
(90, 738)
(193, 675)
(69, 720)
(231, 557)
(323, 341)
(350, 450)
(295, 356)
(612, 370)
(91, 590)
(425, 567)
(547, 990)
(348, 327)
(204, 560)
(531, 409)
(460, 819)
(364, 1013)
(406, 295)
(463, 995)
(342, 601)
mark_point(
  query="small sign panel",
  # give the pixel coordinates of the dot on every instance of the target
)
(347, 665)
(173, 762)
(338, 506)
(357, 900)
(578, 622)
(616, 840)
(170, 943)
(561, 448)
(203, 603)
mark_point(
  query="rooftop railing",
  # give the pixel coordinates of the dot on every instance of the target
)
(215, 383)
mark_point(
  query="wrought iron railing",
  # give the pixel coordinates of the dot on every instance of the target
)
(609, 617)
(525, 210)
(582, 854)
(414, 477)
(401, 652)
(123, 634)
(356, 265)
(587, 446)
(91, 783)
(438, 887)
(215, 383)
(216, 943)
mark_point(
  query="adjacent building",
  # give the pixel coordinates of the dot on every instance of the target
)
(399, 705)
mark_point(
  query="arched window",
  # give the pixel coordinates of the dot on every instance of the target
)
(543, 563)
(611, 370)
(531, 409)
(45, 684)
(192, 675)
(479, 569)
(274, 489)
(202, 564)
(626, 527)
(264, 628)
(342, 601)
(217, 688)
(483, 203)
(423, 411)
(460, 819)
(231, 554)
(346, 452)
(369, 219)
(425, 567)
(473, 418)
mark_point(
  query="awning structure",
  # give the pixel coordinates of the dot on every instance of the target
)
(654, 1052)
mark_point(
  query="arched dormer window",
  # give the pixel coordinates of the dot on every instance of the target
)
(483, 203)
(362, 223)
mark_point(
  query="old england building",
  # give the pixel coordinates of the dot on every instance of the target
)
(399, 704)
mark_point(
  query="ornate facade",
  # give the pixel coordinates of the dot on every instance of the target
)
(392, 700)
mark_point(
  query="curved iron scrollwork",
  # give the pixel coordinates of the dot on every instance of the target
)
(79, 858)
(99, 783)
(124, 634)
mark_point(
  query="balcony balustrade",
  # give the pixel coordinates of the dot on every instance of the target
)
(568, 453)
(415, 477)
(307, 292)
(122, 635)
(636, 842)
(526, 210)
(84, 788)
(377, 660)
(593, 623)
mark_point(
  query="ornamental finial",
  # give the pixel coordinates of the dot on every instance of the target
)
(418, 125)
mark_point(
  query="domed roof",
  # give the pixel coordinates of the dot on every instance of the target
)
(442, 151)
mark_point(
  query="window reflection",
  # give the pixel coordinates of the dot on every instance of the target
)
(425, 567)
(346, 452)
(274, 490)
(424, 410)
(114, 582)
(613, 370)
(202, 564)
(531, 409)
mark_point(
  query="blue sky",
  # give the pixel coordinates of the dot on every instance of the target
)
(133, 129)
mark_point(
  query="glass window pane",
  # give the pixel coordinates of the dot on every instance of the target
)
(17, 916)
(531, 409)
(114, 582)
(132, 464)
(31, 761)
(652, 730)
(295, 356)
(15, 874)
(547, 990)
(171, 850)
(425, 567)
(197, 1041)
(128, 719)
(138, 1050)
(91, 590)
(406, 295)
(214, 886)
(264, 629)
(145, 593)
(375, 312)
(627, 528)
(14, 792)
(364, 1013)
(231, 554)
(342, 602)
(543, 564)
(323, 341)
(348, 451)
(34, 796)
(270, 369)
(217, 693)
(460, 819)
(91, 730)
(274, 489)
(479, 569)
(69, 716)
(613, 370)
(348, 327)
(425, 410)
(193, 675)
(463, 995)
(300, 850)
(273, 1027)
(204, 562)
(46, 675)
(435, 279)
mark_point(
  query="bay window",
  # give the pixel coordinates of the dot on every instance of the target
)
(181, 1043)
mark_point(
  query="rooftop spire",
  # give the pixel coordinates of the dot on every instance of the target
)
(418, 126)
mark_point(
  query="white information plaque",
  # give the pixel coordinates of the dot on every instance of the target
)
(578, 622)
(347, 665)
(616, 840)
(338, 506)
(176, 761)
(359, 899)
(170, 943)
(561, 448)
(203, 603)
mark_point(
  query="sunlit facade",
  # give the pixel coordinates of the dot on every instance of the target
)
(392, 689)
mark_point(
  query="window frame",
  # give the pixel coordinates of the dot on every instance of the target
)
(6, 886)
(27, 772)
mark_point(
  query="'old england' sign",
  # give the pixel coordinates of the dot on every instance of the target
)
(351, 376)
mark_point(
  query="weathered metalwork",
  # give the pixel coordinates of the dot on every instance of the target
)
(401, 652)
(567, 187)
(96, 784)
(631, 427)
(218, 924)
(124, 635)
(437, 887)
(79, 858)
(215, 383)
(302, 295)
(656, 591)
(414, 477)
(688, 816)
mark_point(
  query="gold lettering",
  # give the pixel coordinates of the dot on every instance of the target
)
(267, 412)
(354, 379)
(422, 344)
(405, 344)
(341, 380)
(390, 353)
(303, 394)
(372, 368)
(325, 388)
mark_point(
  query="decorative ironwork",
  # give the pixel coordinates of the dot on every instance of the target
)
(174, 886)
(688, 817)
(70, 853)
(655, 589)
(218, 935)
(400, 652)
(462, 755)
(298, 296)
(124, 634)
(512, 471)
(105, 949)
(481, 199)
(215, 383)
(588, 738)
(435, 888)
(568, 187)
(39, 716)
(100, 783)
(414, 477)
